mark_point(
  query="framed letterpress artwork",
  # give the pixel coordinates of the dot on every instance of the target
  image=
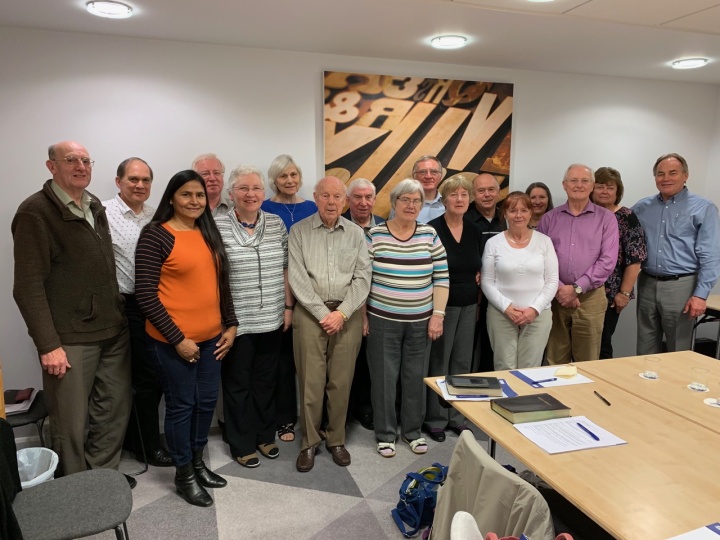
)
(376, 126)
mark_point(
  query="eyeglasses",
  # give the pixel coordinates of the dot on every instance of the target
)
(73, 161)
(244, 190)
(425, 172)
(575, 181)
(409, 201)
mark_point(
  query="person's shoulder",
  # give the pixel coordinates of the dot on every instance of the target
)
(699, 200)
(34, 202)
(378, 219)
(643, 203)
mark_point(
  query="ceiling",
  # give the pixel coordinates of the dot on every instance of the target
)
(633, 38)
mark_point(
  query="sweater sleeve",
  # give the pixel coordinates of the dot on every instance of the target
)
(488, 278)
(32, 267)
(153, 249)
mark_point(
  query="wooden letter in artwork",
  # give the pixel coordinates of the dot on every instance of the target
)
(385, 113)
(482, 126)
(348, 140)
(342, 107)
(401, 87)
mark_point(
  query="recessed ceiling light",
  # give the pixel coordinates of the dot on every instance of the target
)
(109, 9)
(689, 63)
(448, 42)
(541, 1)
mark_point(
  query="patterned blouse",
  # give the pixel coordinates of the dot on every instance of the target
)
(632, 249)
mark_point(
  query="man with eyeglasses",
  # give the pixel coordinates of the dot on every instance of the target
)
(67, 292)
(212, 171)
(127, 214)
(329, 273)
(429, 172)
(586, 241)
(683, 264)
(361, 200)
(483, 211)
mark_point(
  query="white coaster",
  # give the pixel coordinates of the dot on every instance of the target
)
(696, 389)
(712, 402)
(642, 376)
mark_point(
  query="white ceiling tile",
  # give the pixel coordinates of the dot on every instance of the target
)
(556, 6)
(708, 22)
(643, 12)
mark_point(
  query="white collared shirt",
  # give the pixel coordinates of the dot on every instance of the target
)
(125, 227)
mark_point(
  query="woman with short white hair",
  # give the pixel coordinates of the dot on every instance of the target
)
(404, 314)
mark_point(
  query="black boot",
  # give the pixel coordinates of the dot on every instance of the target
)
(187, 485)
(205, 476)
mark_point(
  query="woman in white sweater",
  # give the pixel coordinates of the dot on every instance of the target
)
(519, 279)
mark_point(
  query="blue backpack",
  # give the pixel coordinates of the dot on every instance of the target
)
(418, 496)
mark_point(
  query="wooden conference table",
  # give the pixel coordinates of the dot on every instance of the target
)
(664, 482)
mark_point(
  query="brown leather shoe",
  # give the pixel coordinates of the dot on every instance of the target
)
(340, 455)
(306, 460)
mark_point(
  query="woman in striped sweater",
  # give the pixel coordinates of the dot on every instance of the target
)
(405, 310)
(256, 244)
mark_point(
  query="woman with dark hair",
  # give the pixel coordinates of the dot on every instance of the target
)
(619, 287)
(285, 179)
(519, 279)
(181, 286)
(540, 200)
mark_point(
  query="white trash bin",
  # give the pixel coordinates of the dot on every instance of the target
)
(36, 465)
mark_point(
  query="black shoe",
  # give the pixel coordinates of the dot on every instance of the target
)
(366, 421)
(131, 481)
(187, 485)
(157, 458)
(436, 434)
(205, 476)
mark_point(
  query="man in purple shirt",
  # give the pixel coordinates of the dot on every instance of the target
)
(586, 239)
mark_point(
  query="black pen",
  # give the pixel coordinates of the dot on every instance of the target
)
(586, 430)
(545, 380)
(598, 395)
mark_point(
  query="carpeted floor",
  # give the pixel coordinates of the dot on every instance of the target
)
(275, 501)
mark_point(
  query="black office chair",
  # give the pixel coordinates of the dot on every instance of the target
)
(73, 506)
(36, 414)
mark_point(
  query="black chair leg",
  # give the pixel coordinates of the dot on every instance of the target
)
(40, 423)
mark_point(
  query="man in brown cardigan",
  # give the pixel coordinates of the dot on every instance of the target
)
(67, 292)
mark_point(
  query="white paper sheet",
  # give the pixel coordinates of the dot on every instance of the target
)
(507, 392)
(565, 435)
(711, 532)
(543, 373)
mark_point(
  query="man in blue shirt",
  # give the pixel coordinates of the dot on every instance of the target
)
(682, 232)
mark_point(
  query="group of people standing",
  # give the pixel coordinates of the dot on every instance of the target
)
(232, 294)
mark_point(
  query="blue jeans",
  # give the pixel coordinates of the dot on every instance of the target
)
(191, 391)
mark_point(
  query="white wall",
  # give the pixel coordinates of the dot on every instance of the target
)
(168, 102)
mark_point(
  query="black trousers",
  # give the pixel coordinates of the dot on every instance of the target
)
(249, 378)
(483, 358)
(360, 403)
(286, 410)
(145, 385)
(611, 320)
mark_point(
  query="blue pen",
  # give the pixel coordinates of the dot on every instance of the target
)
(545, 380)
(586, 430)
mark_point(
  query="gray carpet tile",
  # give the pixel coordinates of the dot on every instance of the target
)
(275, 501)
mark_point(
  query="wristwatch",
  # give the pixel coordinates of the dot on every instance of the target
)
(577, 288)
(625, 293)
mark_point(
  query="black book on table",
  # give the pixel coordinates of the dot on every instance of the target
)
(530, 408)
(467, 385)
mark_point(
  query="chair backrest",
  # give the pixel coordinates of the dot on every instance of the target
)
(499, 500)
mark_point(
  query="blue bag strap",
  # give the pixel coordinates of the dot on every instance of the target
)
(413, 514)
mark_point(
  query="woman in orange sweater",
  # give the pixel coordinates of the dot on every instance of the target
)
(181, 277)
